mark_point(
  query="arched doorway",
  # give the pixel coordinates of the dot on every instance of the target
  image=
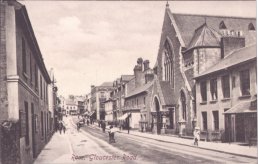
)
(159, 118)
(183, 102)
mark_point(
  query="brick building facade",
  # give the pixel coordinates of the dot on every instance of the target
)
(136, 111)
(224, 94)
(24, 81)
(99, 94)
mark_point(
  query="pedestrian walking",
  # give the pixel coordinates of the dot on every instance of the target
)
(103, 126)
(78, 126)
(64, 128)
(111, 135)
(99, 123)
(60, 127)
(196, 134)
(128, 128)
(87, 122)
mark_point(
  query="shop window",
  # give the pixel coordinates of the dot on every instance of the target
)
(213, 89)
(203, 91)
(215, 120)
(225, 86)
(245, 82)
(204, 120)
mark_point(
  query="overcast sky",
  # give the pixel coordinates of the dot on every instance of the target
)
(90, 42)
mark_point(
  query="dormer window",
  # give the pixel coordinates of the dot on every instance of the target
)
(222, 25)
(251, 27)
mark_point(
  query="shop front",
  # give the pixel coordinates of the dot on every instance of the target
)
(241, 122)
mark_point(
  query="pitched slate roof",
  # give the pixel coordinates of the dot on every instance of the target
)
(239, 56)
(127, 77)
(107, 84)
(187, 24)
(139, 90)
(243, 107)
(205, 36)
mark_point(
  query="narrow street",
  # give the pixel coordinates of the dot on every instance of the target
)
(90, 144)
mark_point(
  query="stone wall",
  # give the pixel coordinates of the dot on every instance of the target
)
(3, 67)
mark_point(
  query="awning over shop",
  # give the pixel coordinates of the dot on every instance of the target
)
(124, 116)
(243, 107)
(91, 113)
(86, 113)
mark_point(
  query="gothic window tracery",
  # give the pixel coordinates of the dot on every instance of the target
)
(167, 64)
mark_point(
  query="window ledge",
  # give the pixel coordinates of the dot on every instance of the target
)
(213, 101)
(225, 99)
(203, 103)
(244, 97)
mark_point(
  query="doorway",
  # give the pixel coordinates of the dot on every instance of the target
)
(159, 117)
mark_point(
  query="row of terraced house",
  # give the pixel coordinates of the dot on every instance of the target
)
(28, 94)
(205, 76)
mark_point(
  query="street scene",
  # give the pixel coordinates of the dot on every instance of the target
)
(128, 82)
(91, 144)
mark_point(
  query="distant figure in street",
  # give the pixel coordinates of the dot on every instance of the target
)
(196, 134)
(78, 126)
(88, 122)
(99, 123)
(111, 135)
(103, 126)
(64, 128)
(56, 127)
(60, 126)
(128, 128)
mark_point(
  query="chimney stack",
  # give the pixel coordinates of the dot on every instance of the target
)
(231, 43)
(138, 73)
(139, 62)
(92, 86)
(146, 65)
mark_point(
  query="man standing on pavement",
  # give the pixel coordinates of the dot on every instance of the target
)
(103, 126)
(60, 126)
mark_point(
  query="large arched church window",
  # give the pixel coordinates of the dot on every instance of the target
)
(167, 63)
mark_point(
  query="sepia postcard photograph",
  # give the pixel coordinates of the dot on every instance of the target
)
(130, 82)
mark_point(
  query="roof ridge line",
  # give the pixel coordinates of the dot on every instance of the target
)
(229, 54)
(234, 17)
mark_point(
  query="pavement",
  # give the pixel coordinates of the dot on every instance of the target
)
(57, 150)
(230, 148)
